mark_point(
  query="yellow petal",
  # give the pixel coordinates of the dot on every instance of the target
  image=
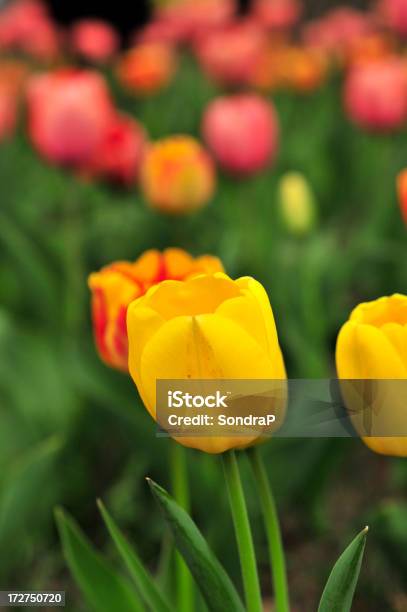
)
(256, 290)
(397, 334)
(396, 447)
(206, 346)
(245, 312)
(142, 324)
(363, 352)
(387, 309)
(198, 295)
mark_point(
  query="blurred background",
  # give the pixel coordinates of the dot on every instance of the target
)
(71, 428)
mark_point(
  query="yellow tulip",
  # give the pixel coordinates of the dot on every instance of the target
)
(206, 327)
(372, 344)
(297, 203)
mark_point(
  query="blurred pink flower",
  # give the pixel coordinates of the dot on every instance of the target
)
(277, 14)
(159, 31)
(119, 156)
(375, 95)
(394, 15)
(193, 17)
(338, 29)
(94, 39)
(230, 54)
(26, 26)
(242, 132)
(69, 112)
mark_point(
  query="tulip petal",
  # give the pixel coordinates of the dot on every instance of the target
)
(365, 352)
(397, 334)
(198, 295)
(256, 290)
(387, 309)
(142, 324)
(395, 447)
(203, 347)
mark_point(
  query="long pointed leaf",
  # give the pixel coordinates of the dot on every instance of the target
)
(340, 587)
(214, 583)
(104, 589)
(144, 582)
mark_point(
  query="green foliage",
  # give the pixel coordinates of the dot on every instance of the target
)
(340, 587)
(145, 584)
(213, 582)
(103, 588)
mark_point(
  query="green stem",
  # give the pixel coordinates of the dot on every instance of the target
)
(276, 551)
(180, 490)
(243, 533)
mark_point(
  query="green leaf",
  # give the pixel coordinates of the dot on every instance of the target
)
(144, 582)
(34, 270)
(22, 478)
(104, 589)
(340, 587)
(214, 583)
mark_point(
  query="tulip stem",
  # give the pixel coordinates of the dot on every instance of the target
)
(180, 490)
(243, 533)
(272, 525)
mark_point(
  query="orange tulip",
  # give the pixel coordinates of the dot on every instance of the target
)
(177, 175)
(118, 284)
(147, 68)
(305, 68)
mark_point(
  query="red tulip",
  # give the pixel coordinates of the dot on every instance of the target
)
(94, 39)
(121, 151)
(376, 95)
(69, 112)
(242, 132)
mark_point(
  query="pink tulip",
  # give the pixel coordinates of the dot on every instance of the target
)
(338, 29)
(277, 14)
(69, 112)
(94, 39)
(121, 151)
(229, 54)
(375, 95)
(394, 15)
(242, 132)
(190, 18)
(26, 26)
(159, 31)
